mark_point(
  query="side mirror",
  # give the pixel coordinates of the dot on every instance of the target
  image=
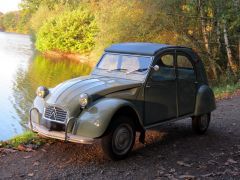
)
(156, 68)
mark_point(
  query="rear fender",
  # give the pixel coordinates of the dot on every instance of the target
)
(205, 101)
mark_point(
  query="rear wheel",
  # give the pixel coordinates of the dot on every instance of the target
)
(200, 124)
(120, 138)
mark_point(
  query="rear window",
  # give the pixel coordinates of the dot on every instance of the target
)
(184, 62)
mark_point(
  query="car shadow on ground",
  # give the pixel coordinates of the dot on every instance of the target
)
(171, 140)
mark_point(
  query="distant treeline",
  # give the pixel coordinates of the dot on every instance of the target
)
(17, 21)
(211, 27)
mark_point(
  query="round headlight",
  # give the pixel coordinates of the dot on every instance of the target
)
(83, 100)
(42, 92)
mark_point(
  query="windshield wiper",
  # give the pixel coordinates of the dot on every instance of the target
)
(137, 70)
(102, 68)
(117, 69)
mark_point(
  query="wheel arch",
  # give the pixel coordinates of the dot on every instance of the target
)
(95, 120)
(205, 100)
(129, 111)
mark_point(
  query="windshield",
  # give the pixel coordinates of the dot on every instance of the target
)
(125, 63)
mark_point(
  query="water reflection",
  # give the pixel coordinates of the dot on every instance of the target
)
(21, 74)
(44, 72)
(15, 53)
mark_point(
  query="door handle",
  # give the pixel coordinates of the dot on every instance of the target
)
(148, 86)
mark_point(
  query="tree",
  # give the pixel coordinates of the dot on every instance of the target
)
(134, 20)
(72, 31)
(10, 21)
(1, 22)
(205, 25)
(211, 27)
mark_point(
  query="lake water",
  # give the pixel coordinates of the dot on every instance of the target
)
(21, 72)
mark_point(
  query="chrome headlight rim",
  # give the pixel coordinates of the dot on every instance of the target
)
(42, 92)
(84, 100)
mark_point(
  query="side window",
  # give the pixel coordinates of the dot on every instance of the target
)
(184, 62)
(185, 68)
(166, 68)
(167, 60)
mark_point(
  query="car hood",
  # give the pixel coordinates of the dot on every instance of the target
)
(67, 93)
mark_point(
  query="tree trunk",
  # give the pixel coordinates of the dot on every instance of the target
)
(205, 38)
(239, 51)
(231, 63)
(218, 36)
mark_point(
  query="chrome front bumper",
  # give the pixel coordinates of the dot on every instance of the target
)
(58, 134)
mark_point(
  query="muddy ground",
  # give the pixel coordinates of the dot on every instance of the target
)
(171, 152)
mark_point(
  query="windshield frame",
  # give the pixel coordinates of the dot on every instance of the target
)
(120, 74)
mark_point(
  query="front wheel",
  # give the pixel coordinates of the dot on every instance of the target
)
(120, 138)
(200, 124)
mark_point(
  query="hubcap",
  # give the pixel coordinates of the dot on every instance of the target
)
(204, 121)
(122, 139)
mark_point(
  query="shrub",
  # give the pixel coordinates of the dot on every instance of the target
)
(72, 31)
(39, 17)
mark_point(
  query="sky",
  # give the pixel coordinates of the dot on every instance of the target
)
(9, 5)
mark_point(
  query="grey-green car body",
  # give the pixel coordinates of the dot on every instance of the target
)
(150, 101)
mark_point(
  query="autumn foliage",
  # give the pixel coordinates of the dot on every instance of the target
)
(212, 28)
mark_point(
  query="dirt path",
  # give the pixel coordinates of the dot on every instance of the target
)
(173, 151)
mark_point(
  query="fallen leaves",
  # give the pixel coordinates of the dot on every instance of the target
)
(212, 162)
(27, 157)
(24, 148)
(6, 150)
(208, 175)
(21, 148)
(43, 150)
(230, 161)
(181, 163)
(36, 163)
(217, 154)
(187, 177)
(30, 174)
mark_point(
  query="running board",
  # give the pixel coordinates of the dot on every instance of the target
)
(168, 121)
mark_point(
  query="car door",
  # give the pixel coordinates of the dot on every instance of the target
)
(187, 84)
(160, 91)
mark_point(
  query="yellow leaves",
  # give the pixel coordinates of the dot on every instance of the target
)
(185, 8)
(190, 32)
(210, 13)
(209, 28)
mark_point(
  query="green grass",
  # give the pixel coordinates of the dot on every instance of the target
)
(26, 138)
(222, 91)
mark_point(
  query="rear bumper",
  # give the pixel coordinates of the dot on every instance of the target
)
(61, 135)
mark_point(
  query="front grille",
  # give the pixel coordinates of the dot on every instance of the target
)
(55, 114)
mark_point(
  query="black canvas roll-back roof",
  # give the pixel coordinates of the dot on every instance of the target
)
(148, 49)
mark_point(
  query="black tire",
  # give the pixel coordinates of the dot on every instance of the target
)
(201, 123)
(119, 139)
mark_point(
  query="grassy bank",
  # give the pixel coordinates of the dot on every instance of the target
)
(226, 91)
(27, 140)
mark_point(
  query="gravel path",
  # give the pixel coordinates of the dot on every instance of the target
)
(172, 152)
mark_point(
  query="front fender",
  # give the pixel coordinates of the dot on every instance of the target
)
(205, 101)
(94, 120)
